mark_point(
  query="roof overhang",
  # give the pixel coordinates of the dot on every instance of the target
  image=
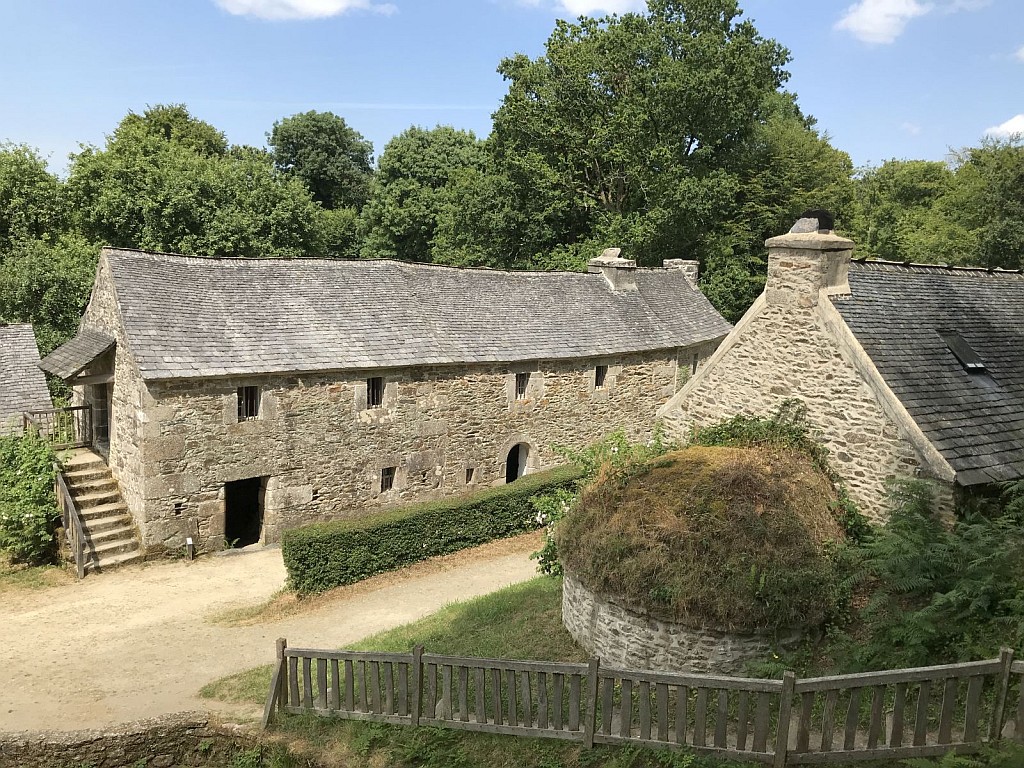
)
(69, 360)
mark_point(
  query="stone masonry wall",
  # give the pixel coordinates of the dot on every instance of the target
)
(186, 739)
(125, 457)
(622, 637)
(322, 450)
(785, 352)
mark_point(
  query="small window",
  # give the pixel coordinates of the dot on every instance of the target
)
(179, 507)
(248, 403)
(387, 478)
(963, 351)
(316, 494)
(600, 374)
(694, 363)
(375, 392)
(470, 471)
(522, 380)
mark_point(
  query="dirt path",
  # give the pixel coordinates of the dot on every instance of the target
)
(137, 643)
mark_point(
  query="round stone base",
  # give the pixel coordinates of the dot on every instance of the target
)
(623, 637)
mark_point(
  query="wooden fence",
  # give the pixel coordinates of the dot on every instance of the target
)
(918, 712)
(70, 427)
(71, 520)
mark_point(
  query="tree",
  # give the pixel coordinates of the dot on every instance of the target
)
(415, 169)
(30, 197)
(164, 181)
(334, 161)
(625, 131)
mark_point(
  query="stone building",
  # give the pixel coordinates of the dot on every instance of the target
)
(22, 386)
(904, 369)
(234, 398)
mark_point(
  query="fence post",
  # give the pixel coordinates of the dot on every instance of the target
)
(417, 683)
(591, 711)
(278, 684)
(1005, 661)
(785, 707)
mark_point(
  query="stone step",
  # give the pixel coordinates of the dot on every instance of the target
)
(102, 550)
(123, 533)
(113, 561)
(84, 460)
(93, 486)
(101, 523)
(117, 507)
(100, 498)
(84, 475)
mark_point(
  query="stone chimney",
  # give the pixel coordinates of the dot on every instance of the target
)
(690, 267)
(620, 273)
(808, 259)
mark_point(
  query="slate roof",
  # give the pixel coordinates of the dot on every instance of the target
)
(69, 359)
(22, 384)
(188, 317)
(975, 420)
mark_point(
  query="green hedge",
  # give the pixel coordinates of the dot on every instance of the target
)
(322, 556)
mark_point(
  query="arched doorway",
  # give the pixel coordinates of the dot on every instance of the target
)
(515, 462)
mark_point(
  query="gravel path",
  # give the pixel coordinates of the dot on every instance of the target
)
(137, 643)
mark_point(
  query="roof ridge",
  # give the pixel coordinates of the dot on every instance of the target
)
(916, 266)
(401, 263)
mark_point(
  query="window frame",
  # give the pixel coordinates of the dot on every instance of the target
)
(375, 387)
(522, 385)
(247, 399)
(600, 376)
(387, 478)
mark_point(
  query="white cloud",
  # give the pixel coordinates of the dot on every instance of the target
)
(1012, 126)
(1019, 55)
(880, 21)
(576, 8)
(280, 10)
(912, 128)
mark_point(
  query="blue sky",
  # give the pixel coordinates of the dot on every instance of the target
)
(885, 78)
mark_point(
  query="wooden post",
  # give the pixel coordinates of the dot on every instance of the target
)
(591, 711)
(785, 706)
(417, 684)
(1005, 661)
(277, 685)
(282, 697)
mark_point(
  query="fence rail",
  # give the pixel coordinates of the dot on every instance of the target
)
(70, 427)
(71, 520)
(903, 713)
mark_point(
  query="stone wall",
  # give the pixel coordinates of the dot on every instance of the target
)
(126, 416)
(186, 739)
(322, 450)
(624, 637)
(786, 352)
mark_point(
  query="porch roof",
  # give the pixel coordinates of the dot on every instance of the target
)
(69, 360)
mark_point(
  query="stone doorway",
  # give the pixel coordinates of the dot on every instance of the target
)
(243, 511)
(515, 462)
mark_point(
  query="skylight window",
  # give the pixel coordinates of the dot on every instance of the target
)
(963, 351)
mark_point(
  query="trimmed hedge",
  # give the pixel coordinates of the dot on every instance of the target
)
(323, 556)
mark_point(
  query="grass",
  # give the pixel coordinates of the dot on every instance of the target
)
(30, 577)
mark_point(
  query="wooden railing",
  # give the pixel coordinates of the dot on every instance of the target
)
(917, 712)
(70, 427)
(71, 520)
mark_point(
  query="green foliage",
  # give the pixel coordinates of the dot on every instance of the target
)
(30, 197)
(322, 556)
(411, 187)
(27, 507)
(179, 189)
(334, 161)
(939, 592)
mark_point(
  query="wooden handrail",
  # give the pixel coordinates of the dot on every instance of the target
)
(71, 519)
(74, 422)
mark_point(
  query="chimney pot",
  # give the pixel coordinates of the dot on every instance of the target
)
(618, 272)
(807, 260)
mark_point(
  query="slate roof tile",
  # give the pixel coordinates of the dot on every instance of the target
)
(22, 384)
(975, 420)
(189, 316)
(70, 359)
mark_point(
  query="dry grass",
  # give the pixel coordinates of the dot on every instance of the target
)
(723, 537)
(30, 577)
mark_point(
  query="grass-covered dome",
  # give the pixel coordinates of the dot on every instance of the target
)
(735, 539)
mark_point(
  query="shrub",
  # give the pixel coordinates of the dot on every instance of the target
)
(28, 510)
(322, 556)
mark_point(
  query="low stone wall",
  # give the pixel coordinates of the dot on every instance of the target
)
(623, 637)
(186, 739)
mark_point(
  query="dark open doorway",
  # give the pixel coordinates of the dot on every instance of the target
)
(515, 462)
(243, 511)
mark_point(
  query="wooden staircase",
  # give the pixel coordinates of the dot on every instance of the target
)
(110, 536)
